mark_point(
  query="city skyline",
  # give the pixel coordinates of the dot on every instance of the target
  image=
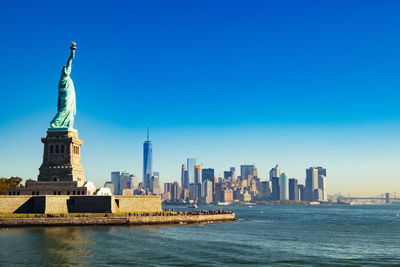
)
(265, 84)
(296, 170)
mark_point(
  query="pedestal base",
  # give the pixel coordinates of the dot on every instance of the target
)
(61, 157)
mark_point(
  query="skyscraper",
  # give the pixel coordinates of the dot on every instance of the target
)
(207, 192)
(197, 175)
(147, 162)
(228, 175)
(190, 168)
(115, 181)
(322, 183)
(274, 172)
(207, 175)
(233, 171)
(255, 172)
(264, 190)
(283, 187)
(293, 190)
(301, 192)
(175, 191)
(316, 189)
(311, 183)
(123, 182)
(275, 188)
(245, 171)
(185, 184)
(134, 181)
(155, 184)
(167, 191)
(183, 170)
(321, 171)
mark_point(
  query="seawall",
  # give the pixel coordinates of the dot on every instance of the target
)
(118, 220)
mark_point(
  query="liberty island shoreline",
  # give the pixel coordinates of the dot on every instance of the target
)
(172, 217)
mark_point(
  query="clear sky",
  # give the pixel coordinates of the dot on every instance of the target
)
(298, 83)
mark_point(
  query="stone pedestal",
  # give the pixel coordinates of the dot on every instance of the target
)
(61, 158)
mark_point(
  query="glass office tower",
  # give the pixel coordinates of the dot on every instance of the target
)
(190, 168)
(147, 162)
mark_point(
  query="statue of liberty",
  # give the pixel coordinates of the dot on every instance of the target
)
(66, 106)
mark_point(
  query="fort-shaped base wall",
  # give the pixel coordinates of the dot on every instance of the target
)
(79, 204)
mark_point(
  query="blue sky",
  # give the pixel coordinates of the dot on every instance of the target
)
(298, 83)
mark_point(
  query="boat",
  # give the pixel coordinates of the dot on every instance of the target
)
(223, 203)
(194, 206)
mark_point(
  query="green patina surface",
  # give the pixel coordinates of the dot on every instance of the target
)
(66, 106)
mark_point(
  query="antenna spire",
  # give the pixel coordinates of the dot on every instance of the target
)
(147, 133)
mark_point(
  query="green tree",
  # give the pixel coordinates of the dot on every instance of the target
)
(8, 183)
(29, 180)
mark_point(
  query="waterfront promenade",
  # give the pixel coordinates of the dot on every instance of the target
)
(165, 217)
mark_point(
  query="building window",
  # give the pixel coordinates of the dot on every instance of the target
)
(59, 192)
(79, 149)
(57, 149)
(14, 193)
(9, 193)
(33, 193)
(83, 192)
(67, 192)
(51, 149)
(62, 149)
(55, 193)
(79, 192)
(18, 193)
(37, 193)
(73, 192)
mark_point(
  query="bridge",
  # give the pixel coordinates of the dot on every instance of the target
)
(386, 197)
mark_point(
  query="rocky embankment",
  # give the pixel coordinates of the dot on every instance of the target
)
(111, 220)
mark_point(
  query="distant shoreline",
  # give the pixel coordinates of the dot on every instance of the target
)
(277, 203)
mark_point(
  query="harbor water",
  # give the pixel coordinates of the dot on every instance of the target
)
(262, 235)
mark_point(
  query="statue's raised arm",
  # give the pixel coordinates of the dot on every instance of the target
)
(71, 56)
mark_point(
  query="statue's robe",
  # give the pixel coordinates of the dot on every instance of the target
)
(66, 106)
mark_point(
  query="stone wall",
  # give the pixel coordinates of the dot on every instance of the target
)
(56, 204)
(134, 220)
(10, 204)
(90, 204)
(136, 203)
(79, 204)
